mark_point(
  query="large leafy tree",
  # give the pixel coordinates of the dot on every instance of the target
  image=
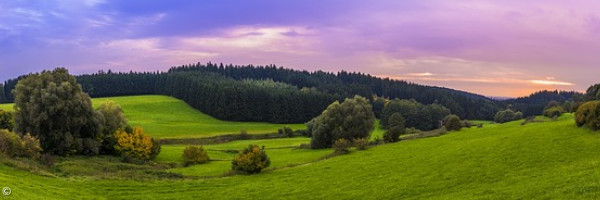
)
(351, 119)
(114, 119)
(52, 107)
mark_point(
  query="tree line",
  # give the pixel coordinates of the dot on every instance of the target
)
(279, 95)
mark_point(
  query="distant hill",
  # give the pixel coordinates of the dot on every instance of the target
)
(280, 95)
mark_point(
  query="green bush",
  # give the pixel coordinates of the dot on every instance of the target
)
(393, 134)
(554, 111)
(361, 144)
(6, 120)
(588, 115)
(12, 145)
(251, 160)
(195, 155)
(52, 107)
(288, 131)
(342, 146)
(351, 119)
(507, 116)
(452, 123)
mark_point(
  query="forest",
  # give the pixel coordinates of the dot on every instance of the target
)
(279, 95)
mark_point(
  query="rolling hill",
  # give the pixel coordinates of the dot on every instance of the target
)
(547, 160)
(166, 117)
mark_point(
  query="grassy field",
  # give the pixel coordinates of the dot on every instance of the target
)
(547, 160)
(167, 117)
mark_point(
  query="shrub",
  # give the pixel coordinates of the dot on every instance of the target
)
(393, 134)
(12, 145)
(507, 116)
(113, 119)
(61, 115)
(136, 144)
(554, 111)
(588, 115)
(195, 155)
(361, 144)
(351, 119)
(6, 120)
(342, 146)
(288, 131)
(47, 160)
(30, 147)
(244, 135)
(452, 123)
(251, 160)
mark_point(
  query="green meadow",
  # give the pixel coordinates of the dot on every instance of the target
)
(543, 160)
(166, 117)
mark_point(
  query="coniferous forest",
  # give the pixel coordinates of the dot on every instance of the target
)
(280, 95)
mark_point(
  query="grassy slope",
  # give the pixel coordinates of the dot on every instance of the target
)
(509, 161)
(282, 153)
(167, 117)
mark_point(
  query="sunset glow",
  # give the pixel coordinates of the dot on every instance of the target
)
(494, 48)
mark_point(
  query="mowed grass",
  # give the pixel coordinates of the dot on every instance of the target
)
(166, 117)
(282, 153)
(548, 160)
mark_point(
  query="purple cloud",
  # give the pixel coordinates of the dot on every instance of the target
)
(488, 47)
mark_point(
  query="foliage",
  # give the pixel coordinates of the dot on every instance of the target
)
(251, 160)
(588, 115)
(288, 131)
(593, 92)
(195, 155)
(113, 120)
(47, 160)
(270, 93)
(342, 146)
(393, 134)
(415, 114)
(351, 119)
(536, 103)
(554, 111)
(6, 120)
(136, 144)
(452, 123)
(52, 107)
(361, 143)
(396, 123)
(507, 116)
(12, 145)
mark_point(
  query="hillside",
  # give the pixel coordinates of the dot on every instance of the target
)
(167, 117)
(509, 161)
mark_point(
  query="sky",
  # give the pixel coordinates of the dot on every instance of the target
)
(502, 48)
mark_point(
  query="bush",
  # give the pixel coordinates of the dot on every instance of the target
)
(244, 135)
(195, 155)
(288, 131)
(60, 116)
(12, 145)
(136, 145)
(30, 147)
(351, 119)
(452, 123)
(393, 134)
(507, 116)
(554, 111)
(6, 120)
(113, 119)
(251, 160)
(588, 115)
(361, 144)
(47, 160)
(342, 146)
